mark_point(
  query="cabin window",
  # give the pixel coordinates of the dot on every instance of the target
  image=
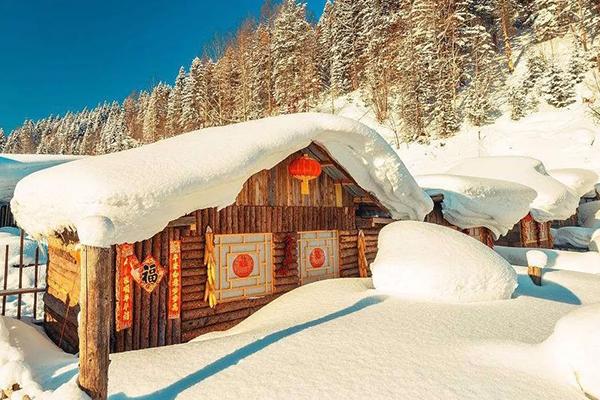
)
(318, 255)
(244, 265)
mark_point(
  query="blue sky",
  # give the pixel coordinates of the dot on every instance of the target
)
(61, 55)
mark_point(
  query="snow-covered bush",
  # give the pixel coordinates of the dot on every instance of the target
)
(431, 262)
(576, 346)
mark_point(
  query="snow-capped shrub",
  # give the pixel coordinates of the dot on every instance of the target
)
(576, 346)
(431, 262)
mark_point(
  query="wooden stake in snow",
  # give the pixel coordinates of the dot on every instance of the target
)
(94, 321)
(536, 260)
(535, 273)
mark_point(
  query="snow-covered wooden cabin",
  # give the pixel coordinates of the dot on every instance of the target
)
(482, 208)
(580, 181)
(217, 216)
(554, 201)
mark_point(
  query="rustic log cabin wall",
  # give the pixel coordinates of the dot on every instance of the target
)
(269, 203)
(436, 216)
(6, 217)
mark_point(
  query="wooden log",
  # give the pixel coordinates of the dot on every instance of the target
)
(94, 324)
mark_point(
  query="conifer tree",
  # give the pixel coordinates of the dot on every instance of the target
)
(518, 103)
(290, 31)
(155, 114)
(558, 88)
(174, 109)
(190, 117)
(2, 140)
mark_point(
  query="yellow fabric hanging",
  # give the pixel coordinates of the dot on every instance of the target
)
(211, 265)
(362, 255)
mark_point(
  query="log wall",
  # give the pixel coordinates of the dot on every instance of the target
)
(6, 217)
(61, 300)
(436, 216)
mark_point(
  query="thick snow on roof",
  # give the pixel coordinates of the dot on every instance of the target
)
(579, 180)
(131, 195)
(554, 200)
(471, 202)
(13, 167)
(418, 260)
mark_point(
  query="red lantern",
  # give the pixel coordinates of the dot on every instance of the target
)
(305, 169)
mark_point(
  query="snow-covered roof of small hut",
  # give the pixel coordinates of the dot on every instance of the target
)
(13, 167)
(554, 201)
(471, 202)
(579, 180)
(131, 195)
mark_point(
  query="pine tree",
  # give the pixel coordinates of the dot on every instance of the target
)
(261, 84)
(518, 103)
(550, 18)
(190, 117)
(577, 64)
(2, 140)
(324, 44)
(289, 34)
(343, 79)
(558, 88)
(174, 109)
(155, 114)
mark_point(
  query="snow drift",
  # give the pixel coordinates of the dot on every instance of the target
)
(589, 214)
(580, 181)
(588, 262)
(471, 202)
(133, 194)
(13, 167)
(576, 345)
(554, 200)
(431, 262)
(575, 236)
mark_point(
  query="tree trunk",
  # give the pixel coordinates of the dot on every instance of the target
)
(94, 324)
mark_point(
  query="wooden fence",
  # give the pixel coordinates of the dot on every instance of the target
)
(19, 291)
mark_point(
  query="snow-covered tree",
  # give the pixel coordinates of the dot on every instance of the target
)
(517, 100)
(155, 114)
(578, 64)
(190, 116)
(2, 140)
(290, 32)
(559, 88)
(175, 107)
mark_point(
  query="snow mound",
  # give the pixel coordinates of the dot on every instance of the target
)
(575, 236)
(431, 262)
(580, 181)
(554, 200)
(142, 189)
(471, 202)
(588, 262)
(589, 214)
(13, 167)
(576, 346)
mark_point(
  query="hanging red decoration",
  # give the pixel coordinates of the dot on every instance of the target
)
(305, 169)
(174, 279)
(126, 262)
(148, 274)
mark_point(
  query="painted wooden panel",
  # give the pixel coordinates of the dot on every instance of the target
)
(318, 256)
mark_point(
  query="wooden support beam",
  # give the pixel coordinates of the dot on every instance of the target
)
(94, 324)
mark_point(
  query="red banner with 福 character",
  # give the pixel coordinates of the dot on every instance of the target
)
(174, 279)
(126, 261)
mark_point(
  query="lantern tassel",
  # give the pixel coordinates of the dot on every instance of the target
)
(304, 188)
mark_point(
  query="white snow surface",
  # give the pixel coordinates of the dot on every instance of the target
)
(13, 167)
(30, 359)
(588, 262)
(576, 236)
(580, 181)
(131, 195)
(554, 200)
(419, 260)
(589, 214)
(576, 345)
(471, 202)
(318, 340)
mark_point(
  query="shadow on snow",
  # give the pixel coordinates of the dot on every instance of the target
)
(231, 359)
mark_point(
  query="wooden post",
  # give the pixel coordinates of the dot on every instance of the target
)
(94, 322)
(535, 273)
